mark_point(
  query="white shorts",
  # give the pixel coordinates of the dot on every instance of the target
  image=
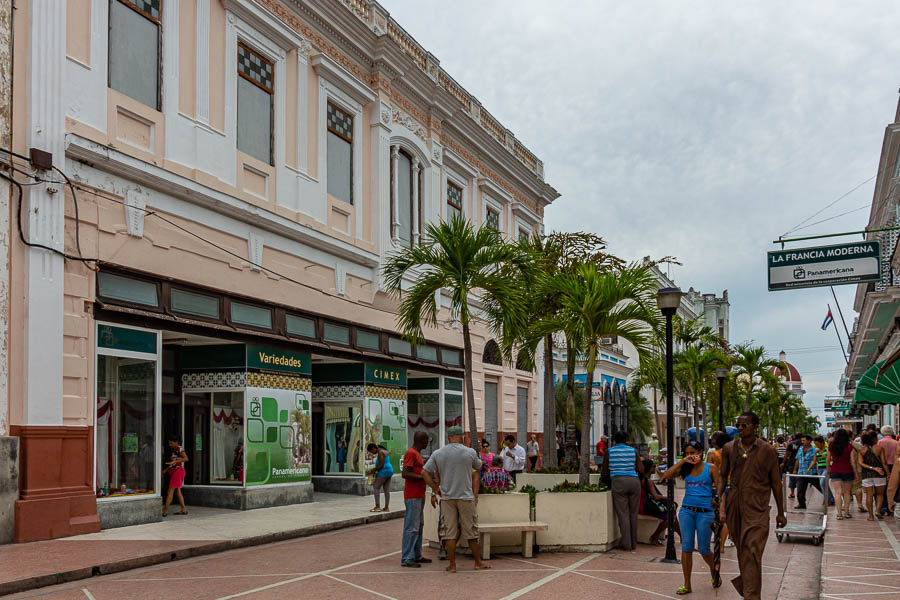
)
(874, 482)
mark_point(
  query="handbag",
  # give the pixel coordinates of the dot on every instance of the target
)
(656, 506)
(370, 479)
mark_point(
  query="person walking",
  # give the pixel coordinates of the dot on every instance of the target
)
(751, 467)
(790, 461)
(653, 446)
(697, 514)
(383, 472)
(458, 468)
(781, 448)
(893, 489)
(889, 444)
(840, 459)
(653, 503)
(822, 464)
(414, 499)
(714, 456)
(513, 456)
(873, 466)
(805, 465)
(623, 468)
(175, 469)
(533, 450)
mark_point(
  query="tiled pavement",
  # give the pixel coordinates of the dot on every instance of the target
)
(862, 559)
(363, 562)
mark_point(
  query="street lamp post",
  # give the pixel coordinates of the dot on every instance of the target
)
(668, 300)
(720, 375)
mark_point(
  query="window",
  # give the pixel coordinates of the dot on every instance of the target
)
(134, 49)
(340, 153)
(137, 291)
(255, 316)
(199, 305)
(256, 83)
(524, 235)
(454, 200)
(897, 167)
(398, 346)
(491, 354)
(367, 339)
(405, 197)
(492, 219)
(450, 357)
(426, 352)
(300, 326)
(336, 334)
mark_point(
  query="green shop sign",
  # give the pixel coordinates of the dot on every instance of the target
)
(857, 262)
(276, 359)
(122, 338)
(382, 375)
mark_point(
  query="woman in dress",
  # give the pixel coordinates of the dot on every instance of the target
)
(175, 468)
(840, 460)
(383, 471)
(874, 469)
(697, 514)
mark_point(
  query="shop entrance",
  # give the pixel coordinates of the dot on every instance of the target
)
(213, 434)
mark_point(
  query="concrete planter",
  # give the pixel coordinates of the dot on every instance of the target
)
(545, 481)
(492, 508)
(579, 521)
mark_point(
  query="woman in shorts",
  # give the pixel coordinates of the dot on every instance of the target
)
(840, 460)
(874, 470)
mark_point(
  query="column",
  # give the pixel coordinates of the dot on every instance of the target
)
(395, 193)
(415, 201)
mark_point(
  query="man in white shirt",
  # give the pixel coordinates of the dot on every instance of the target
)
(513, 456)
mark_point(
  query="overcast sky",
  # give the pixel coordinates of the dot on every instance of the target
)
(701, 130)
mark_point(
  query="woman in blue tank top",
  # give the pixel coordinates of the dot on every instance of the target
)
(697, 512)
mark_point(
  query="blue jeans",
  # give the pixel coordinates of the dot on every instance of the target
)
(821, 471)
(699, 523)
(413, 522)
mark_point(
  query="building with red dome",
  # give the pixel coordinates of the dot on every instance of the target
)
(789, 378)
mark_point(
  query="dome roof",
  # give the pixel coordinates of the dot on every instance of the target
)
(792, 375)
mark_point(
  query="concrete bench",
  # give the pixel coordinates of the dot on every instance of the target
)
(527, 528)
(646, 526)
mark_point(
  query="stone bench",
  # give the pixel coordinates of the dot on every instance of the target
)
(646, 526)
(527, 528)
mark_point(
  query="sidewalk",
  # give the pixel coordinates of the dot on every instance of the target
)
(203, 531)
(862, 558)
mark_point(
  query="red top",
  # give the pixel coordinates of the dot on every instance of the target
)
(601, 448)
(413, 489)
(841, 464)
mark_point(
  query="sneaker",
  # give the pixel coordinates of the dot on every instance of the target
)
(423, 561)
(729, 543)
(411, 565)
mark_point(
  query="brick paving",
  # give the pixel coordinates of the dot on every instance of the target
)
(862, 559)
(364, 562)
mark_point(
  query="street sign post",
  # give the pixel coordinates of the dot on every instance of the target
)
(856, 262)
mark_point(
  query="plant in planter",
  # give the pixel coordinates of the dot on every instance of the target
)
(531, 491)
(557, 471)
(568, 486)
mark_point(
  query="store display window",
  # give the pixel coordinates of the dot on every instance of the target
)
(127, 417)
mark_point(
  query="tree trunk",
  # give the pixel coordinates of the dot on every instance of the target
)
(571, 446)
(696, 401)
(470, 388)
(584, 469)
(549, 452)
(747, 400)
(656, 415)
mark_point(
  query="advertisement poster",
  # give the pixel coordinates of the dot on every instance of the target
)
(387, 426)
(278, 430)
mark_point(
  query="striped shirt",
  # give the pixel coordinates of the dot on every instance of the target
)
(621, 461)
(782, 450)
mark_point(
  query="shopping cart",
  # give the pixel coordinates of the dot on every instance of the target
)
(816, 532)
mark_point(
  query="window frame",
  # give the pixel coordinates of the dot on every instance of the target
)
(227, 315)
(330, 101)
(248, 47)
(159, 48)
(452, 183)
(168, 288)
(161, 299)
(490, 209)
(412, 182)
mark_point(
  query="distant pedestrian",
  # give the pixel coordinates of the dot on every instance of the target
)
(889, 444)
(513, 456)
(714, 456)
(175, 469)
(781, 448)
(624, 468)
(697, 513)
(653, 446)
(458, 467)
(341, 453)
(487, 457)
(496, 477)
(383, 471)
(654, 504)
(600, 450)
(751, 466)
(841, 456)
(873, 466)
(790, 460)
(414, 499)
(893, 488)
(822, 464)
(805, 465)
(533, 450)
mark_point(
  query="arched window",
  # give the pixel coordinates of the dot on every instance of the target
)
(406, 188)
(491, 354)
(524, 362)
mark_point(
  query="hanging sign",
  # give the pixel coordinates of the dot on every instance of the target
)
(857, 262)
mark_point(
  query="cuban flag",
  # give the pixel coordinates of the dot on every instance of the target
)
(828, 320)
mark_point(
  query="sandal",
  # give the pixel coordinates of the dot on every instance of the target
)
(848, 514)
(683, 590)
(376, 509)
(840, 517)
(716, 582)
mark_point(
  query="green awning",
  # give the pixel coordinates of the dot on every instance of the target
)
(875, 389)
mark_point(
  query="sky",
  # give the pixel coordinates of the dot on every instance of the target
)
(702, 130)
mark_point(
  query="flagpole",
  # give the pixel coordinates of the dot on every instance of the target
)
(841, 313)
(837, 333)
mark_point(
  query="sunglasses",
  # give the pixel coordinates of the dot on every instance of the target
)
(742, 425)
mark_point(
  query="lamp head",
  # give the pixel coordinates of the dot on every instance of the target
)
(669, 299)
(721, 374)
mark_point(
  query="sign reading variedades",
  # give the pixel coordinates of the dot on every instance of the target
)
(857, 262)
(273, 359)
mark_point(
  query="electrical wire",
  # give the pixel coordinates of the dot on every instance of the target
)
(819, 212)
(843, 214)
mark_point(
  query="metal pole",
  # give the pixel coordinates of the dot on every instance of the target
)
(838, 334)
(840, 312)
(828, 235)
(670, 442)
(721, 407)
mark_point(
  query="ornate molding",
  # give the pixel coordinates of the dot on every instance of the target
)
(437, 152)
(408, 122)
(408, 107)
(385, 113)
(304, 48)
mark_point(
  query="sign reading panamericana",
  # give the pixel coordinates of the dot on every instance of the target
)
(856, 262)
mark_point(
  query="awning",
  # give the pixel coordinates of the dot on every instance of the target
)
(877, 386)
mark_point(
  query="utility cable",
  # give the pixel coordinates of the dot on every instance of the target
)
(819, 212)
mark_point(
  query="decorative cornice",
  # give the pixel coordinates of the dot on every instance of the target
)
(406, 121)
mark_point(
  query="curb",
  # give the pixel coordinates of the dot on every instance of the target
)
(39, 581)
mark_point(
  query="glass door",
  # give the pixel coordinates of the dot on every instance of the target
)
(227, 439)
(196, 442)
(342, 431)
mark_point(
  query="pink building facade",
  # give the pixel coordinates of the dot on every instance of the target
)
(237, 171)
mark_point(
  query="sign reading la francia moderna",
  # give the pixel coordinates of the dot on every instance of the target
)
(856, 262)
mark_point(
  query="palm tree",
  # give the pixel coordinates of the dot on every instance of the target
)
(596, 305)
(651, 372)
(470, 264)
(694, 365)
(751, 361)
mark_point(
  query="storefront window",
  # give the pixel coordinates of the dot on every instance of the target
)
(343, 439)
(126, 422)
(214, 437)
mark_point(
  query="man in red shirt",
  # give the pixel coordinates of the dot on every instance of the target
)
(414, 498)
(601, 450)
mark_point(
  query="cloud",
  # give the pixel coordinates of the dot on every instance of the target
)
(696, 129)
